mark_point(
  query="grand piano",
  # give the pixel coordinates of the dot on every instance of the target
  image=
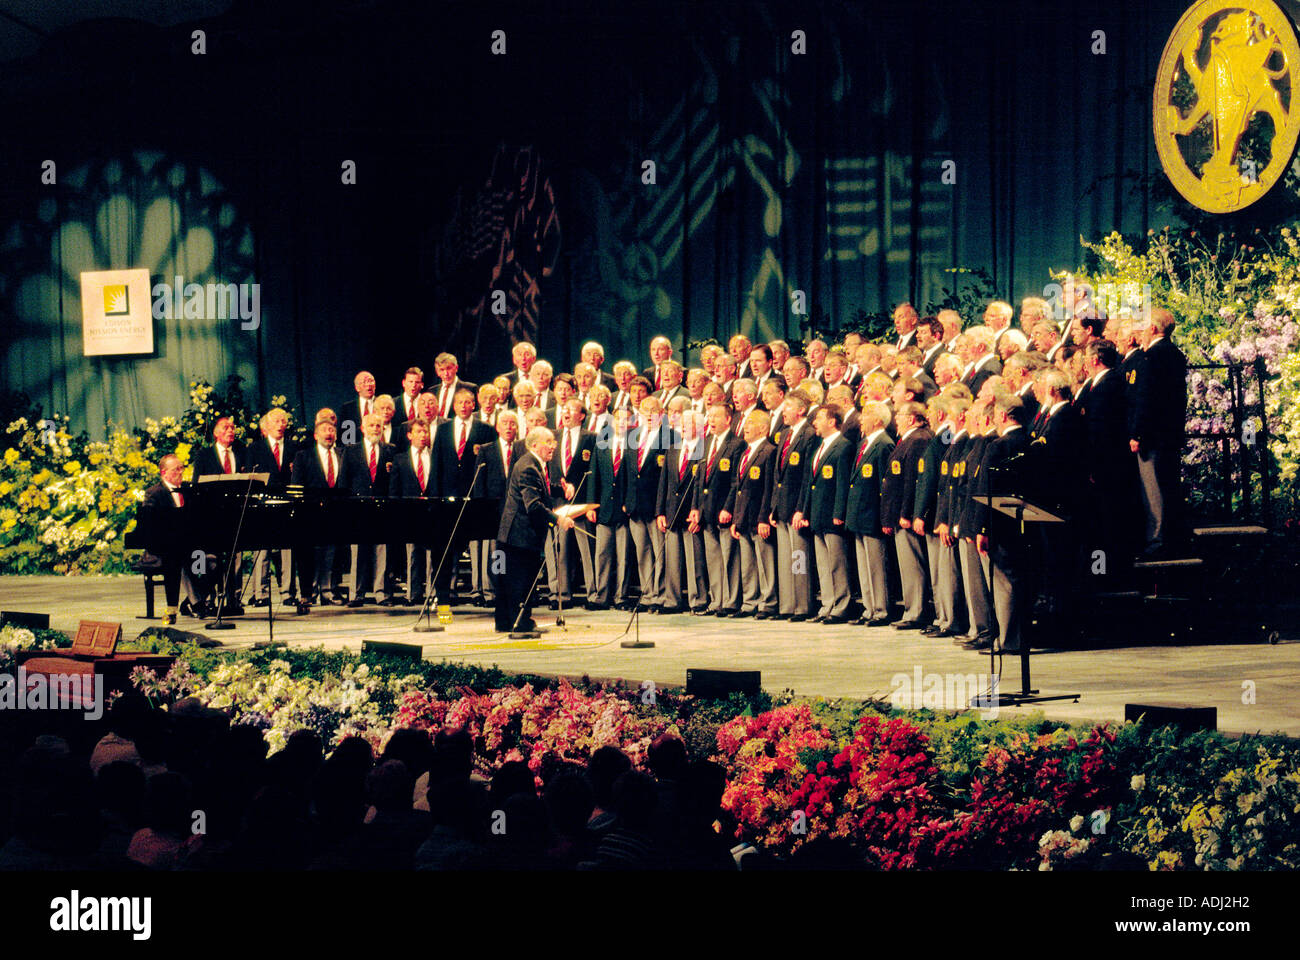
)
(219, 516)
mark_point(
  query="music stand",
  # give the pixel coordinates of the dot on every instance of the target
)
(1023, 511)
(261, 479)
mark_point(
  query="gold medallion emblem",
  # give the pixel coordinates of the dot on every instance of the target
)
(943, 468)
(724, 464)
(866, 470)
(660, 459)
(1225, 103)
(794, 459)
(895, 467)
(827, 472)
(755, 473)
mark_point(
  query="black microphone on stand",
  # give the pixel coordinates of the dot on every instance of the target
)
(428, 627)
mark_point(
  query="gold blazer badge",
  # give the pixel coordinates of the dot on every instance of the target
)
(1225, 66)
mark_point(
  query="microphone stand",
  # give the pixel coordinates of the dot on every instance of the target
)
(219, 624)
(427, 626)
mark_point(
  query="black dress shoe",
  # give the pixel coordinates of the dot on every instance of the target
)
(302, 609)
(699, 612)
(353, 604)
(835, 620)
(390, 602)
(945, 634)
(908, 625)
(760, 615)
(878, 622)
(931, 631)
(260, 602)
(290, 601)
(977, 645)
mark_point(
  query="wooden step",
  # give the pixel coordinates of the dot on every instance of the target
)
(1181, 563)
(1232, 530)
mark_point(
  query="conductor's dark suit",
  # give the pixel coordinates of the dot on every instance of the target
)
(526, 519)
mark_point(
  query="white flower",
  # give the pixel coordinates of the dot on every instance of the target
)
(1138, 783)
(1076, 823)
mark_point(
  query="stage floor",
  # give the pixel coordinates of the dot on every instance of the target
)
(810, 659)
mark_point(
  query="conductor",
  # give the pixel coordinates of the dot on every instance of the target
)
(526, 518)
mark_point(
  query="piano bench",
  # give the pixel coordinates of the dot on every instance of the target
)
(149, 567)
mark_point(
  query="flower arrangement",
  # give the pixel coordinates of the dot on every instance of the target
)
(66, 501)
(906, 790)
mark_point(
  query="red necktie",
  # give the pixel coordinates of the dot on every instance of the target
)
(744, 461)
(365, 408)
(618, 456)
(446, 401)
(460, 444)
(861, 453)
(225, 461)
(507, 460)
(180, 499)
(785, 448)
(568, 451)
(681, 470)
(419, 472)
(713, 453)
(275, 449)
(373, 463)
(329, 468)
(658, 378)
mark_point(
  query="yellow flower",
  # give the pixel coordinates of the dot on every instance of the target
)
(11, 455)
(183, 451)
(9, 524)
(71, 467)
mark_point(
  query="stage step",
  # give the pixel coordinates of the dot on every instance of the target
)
(1231, 530)
(1182, 563)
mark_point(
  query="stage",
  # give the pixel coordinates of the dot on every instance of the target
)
(810, 659)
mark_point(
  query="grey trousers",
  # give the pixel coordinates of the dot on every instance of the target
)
(832, 574)
(419, 568)
(613, 549)
(979, 600)
(948, 589)
(722, 559)
(912, 570)
(560, 560)
(1010, 603)
(942, 615)
(1160, 471)
(369, 566)
(675, 572)
(871, 574)
(794, 563)
(480, 560)
(284, 578)
(697, 573)
(757, 574)
(648, 544)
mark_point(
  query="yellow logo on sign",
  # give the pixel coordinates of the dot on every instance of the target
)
(116, 301)
(1225, 67)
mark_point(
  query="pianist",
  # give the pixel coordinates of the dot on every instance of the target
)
(161, 531)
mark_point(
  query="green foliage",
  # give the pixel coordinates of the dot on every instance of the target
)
(971, 291)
